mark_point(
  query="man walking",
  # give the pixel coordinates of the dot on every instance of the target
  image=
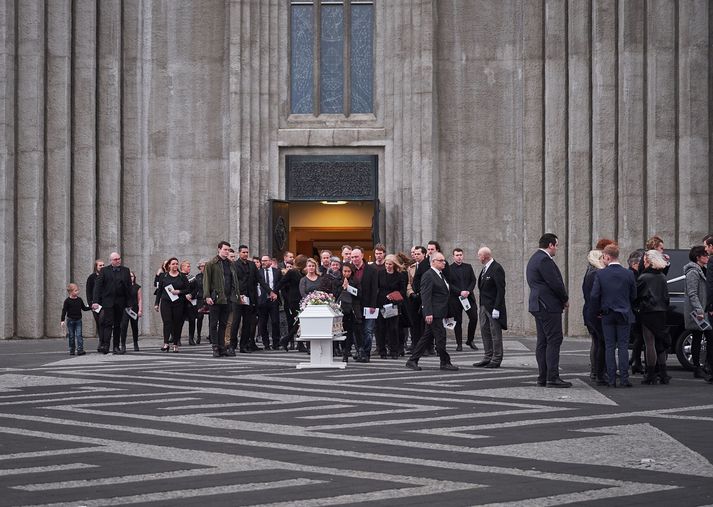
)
(220, 288)
(434, 301)
(244, 309)
(613, 296)
(548, 299)
(111, 293)
(493, 315)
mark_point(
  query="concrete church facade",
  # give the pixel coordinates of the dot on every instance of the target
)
(157, 128)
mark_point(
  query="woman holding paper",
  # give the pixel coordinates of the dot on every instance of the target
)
(346, 294)
(694, 314)
(135, 303)
(173, 291)
(392, 292)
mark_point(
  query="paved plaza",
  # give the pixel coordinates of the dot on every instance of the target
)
(186, 429)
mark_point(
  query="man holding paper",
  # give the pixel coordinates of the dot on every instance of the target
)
(434, 301)
(111, 294)
(493, 315)
(367, 277)
(462, 279)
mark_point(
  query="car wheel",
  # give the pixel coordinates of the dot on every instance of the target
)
(683, 349)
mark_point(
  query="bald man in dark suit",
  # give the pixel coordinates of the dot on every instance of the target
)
(434, 302)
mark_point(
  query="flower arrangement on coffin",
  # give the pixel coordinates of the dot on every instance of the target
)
(319, 297)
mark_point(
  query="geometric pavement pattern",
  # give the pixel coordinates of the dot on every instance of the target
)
(187, 429)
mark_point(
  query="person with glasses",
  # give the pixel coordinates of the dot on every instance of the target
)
(111, 295)
(435, 292)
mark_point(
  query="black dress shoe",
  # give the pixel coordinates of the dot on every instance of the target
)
(602, 382)
(136, 347)
(471, 345)
(449, 367)
(482, 363)
(231, 351)
(558, 383)
(80, 352)
(459, 348)
(116, 351)
(413, 365)
(383, 356)
(198, 340)
(191, 341)
(541, 383)
(122, 349)
(626, 383)
(492, 365)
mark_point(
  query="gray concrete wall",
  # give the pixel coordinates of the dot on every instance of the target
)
(157, 128)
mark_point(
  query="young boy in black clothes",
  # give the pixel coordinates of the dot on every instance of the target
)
(72, 319)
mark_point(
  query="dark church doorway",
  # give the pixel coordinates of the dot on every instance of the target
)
(331, 200)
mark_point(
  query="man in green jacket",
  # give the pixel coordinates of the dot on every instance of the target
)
(220, 289)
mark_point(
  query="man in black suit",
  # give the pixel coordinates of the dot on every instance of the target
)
(111, 292)
(548, 299)
(434, 301)
(462, 278)
(418, 253)
(268, 303)
(244, 309)
(367, 276)
(493, 315)
(613, 295)
(432, 247)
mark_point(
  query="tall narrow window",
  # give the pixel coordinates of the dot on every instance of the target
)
(332, 57)
(301, 61)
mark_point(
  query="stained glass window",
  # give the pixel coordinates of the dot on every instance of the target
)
(344, 77)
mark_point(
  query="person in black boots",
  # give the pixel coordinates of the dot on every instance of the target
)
(191, 310)
(289, 284)
(174, 291)
(392, 293)
(346, 295)
(197, 295)
(98, 265)
(694, 314)
(132, 318)
(652, 303)
(221, 289)
(111, 294)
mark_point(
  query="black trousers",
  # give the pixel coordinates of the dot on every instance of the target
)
(110, 326)
(172, 315)
(433, 332)
(244, 314)
(472, 321)
(392, 330)
(380, 334)
(190, 315)
(217, 322)
(269, 312)
(549, 342)
(125, 322)
(414, 308)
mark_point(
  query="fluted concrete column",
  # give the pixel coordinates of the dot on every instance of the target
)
(83, 130)
(579, 151)
(58, 202)
(7, 167)
(109, 163)
(605, 110)
(661, 106)
(694, 166)
(29, 282)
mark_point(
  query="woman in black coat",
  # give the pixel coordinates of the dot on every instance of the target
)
(594, 324)
(392, 291)
(172, 312)
(98, 265)
(652, 302)
(289, 285)
(351, 310)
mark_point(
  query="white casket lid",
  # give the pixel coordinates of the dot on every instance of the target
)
(319, 311)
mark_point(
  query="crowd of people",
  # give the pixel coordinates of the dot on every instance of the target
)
(401, 305)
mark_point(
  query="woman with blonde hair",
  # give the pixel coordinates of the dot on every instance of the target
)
(652, 302)
(392, 291)
(594, 324)
(312, 280)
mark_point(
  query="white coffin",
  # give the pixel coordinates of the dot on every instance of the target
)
(320, 321)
